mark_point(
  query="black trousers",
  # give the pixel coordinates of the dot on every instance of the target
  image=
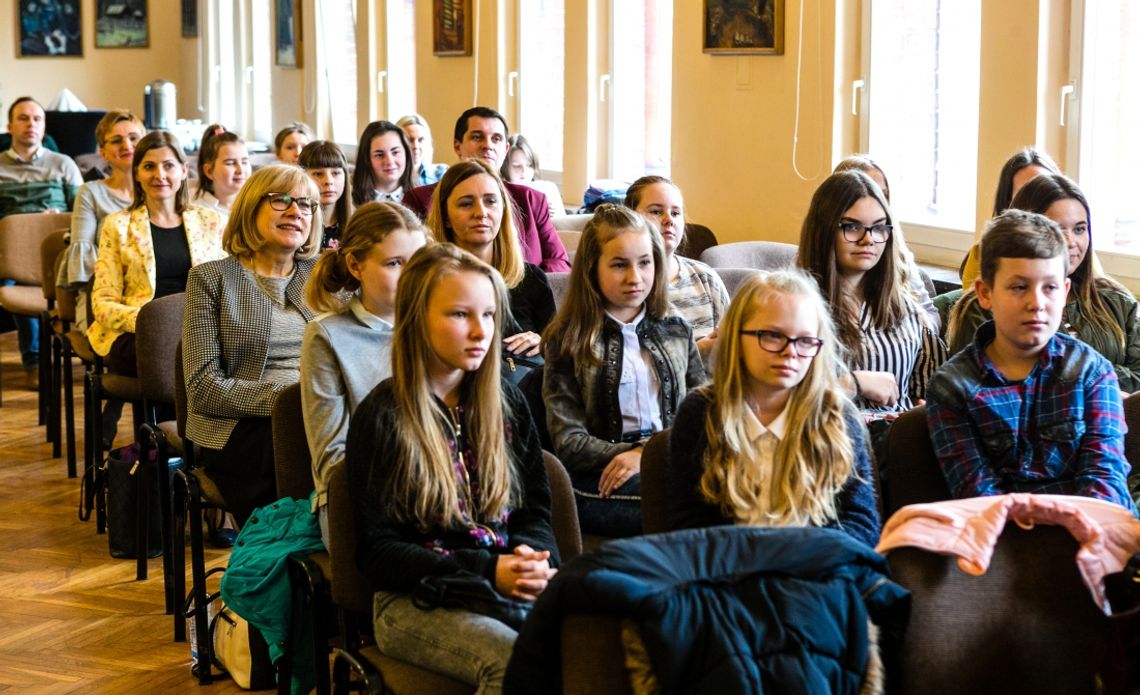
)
(243, 468)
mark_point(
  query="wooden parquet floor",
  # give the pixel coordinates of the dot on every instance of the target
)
(72, 618)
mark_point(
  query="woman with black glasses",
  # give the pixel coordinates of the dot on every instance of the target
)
(851, 245)
(241, 335)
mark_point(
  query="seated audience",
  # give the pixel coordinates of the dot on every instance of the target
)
(469, 209)
(696, 292)
(290, 141)
(851, 247)
(1021, 167)
(223, 166)
(326, 165)
(446, 474)
(117, 136)
(521, 167)
(383, 165)
(1099, 311)
(147, 251)
(418, 133)
(241, 335)
(618, 364)
(773, 440)
(33, 179)
(481, 133)
(1024, 408)
(346, 352)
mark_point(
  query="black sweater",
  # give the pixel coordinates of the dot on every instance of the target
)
(393, 555)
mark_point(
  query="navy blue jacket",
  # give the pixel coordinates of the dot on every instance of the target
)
(724, 609)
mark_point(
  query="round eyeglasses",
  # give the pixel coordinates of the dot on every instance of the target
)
(773, 341)
(856, 232)
(283, 201)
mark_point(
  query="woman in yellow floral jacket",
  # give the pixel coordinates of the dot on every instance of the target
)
(147, 250)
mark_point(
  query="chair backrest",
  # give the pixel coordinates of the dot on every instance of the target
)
(292, 462)
(66, 299)
(654, 484)
(698, 239)
(733, 277)
(559, 283)
(51, 247)
(180, 403)
(350, 589)
(570, 240)
(911, 471)
(571, 223)
(1027, 625)
(563, 509)
(158, 331)
(21, 236)
(759, 255)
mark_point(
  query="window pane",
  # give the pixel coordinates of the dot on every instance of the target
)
(924, 107)
(640, 98)
(338, 37)
(401, 68)
(1109, 139)
(542, 57)
(262, 51)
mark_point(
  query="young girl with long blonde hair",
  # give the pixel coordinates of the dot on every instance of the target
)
(618, 363)
(446, 473)
(773, 440)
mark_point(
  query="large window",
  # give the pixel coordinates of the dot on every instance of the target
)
(400, 72)
(923, 107)
(641, 49)
(542, 55)
(1107, 137)
(336, 23)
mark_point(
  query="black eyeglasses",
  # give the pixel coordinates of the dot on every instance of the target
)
(283, 201)
(773, 341)
(856, 231)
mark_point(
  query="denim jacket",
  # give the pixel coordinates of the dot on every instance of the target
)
(582, 409)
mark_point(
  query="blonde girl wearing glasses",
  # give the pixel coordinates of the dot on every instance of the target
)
(773, 440)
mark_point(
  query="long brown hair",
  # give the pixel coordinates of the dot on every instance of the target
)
(155, 140)
(213, 138)
(506, 254)
(363, 178)
(322, 154)
(884, 287)
(578, 324)
(422, 489)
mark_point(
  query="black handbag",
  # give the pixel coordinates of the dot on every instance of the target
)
(515, 367)
(121, 489)
(471, 592)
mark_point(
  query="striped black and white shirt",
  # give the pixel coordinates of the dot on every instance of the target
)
(910, 349)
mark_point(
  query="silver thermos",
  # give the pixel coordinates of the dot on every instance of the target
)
(160, 102)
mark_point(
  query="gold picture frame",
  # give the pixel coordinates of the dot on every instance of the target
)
(744, 27)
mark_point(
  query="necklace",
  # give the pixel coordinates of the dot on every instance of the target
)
(268, 290)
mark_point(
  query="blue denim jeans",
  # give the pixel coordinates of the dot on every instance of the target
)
(468, 647)
(27, 334)
(616, 516)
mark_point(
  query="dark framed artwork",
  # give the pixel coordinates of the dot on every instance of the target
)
(451, 28)
(287, 23)
(50, 28)
(744, 27)
(189, 19)
(121, 24)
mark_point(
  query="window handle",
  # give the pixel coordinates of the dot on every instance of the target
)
(512, 80)
(856, 87)
(603, 86)
(1067, 92)
(381, 79)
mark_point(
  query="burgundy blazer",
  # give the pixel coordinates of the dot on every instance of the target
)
(537, 236)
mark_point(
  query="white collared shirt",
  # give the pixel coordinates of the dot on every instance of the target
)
(764, 441)
(639, 388)
(395, 196)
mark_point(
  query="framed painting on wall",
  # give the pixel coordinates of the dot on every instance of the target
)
(744, 27)
(121, 24)
(189, 19)
(451, 27)
(287, 23)
(50, 28)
